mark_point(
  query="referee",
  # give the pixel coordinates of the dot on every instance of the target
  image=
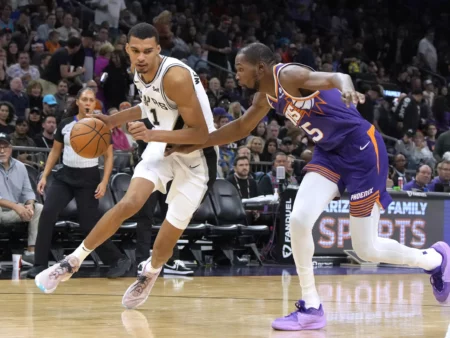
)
(80, 178)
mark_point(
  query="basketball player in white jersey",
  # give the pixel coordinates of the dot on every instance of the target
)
(174, 100)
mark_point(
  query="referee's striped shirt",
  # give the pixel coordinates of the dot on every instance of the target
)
(70, 157)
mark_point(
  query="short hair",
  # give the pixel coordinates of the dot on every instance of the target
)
(420, 167)
(46, 117)
(278, 153)
(105, 49)
(65, 81)
(143, 31)
(242, 147)
(73, 42)
(23, 52)
(241, 158)
(444, 162)
(21, 120)
(257, 52)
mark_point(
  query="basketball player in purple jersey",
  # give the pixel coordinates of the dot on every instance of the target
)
(349, 153)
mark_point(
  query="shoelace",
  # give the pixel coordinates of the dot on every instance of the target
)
(64, 266)
(180, 263)
(437, 282)
(299, 309)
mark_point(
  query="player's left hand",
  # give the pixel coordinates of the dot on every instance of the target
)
(352, 96)
(101, 189)
(139, 131)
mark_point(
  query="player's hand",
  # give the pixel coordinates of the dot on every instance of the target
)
(352, 96)
(41, 185)
(182, 149)
(101, 189)
(104, 118)
(139, 131)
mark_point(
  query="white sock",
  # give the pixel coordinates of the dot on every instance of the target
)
(149, 268)
(81, 252)
(429, 259)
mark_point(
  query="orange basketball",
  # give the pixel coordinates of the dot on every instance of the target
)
(90, 138)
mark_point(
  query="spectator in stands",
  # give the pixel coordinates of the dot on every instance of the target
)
(34, 122)
(109, 11)
(259, 131)
(274, 130)
(367, 109)
(214, 92)
(421, 153)
(442, 145)
(34, 92)
(286, 145)
(6, 117)
(45, 140)
(99, 106)
(235, 110)
(217, 43)
(223, 120)
(67, 30)
(17, 198)
(256, 146)
(85, 57)
(428, 93)
(20, 137)
(427, 52)
(44, 30)
(17, 98)
(431, 136)
(79, 178)
(171, 45)
(12, 56)
(23, 26)
(195, 60)
(230, 90)
(408, 112)
(226, 157)
(118, 82)
(244, 183)
(441, 114)
(5, 19)
(244, 151)
(49, 103)
(61, 98)
(23, 69)
(399, 169)
(406, 145)
(44, 59)
(423, 178)
(269, 182)
(270, 148)
(443, 178)
(52, 43)
(59, 67)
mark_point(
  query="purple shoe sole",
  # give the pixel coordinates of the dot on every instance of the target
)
(443, 296)
(302, 319)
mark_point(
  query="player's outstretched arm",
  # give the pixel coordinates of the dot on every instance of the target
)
(234, 130)
(293, 78)
(179, 88)
(116, 120)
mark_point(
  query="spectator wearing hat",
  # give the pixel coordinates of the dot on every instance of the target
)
(217, 43)
(17, 198)
(59, 67)
(34, 122)
(23, 69)
(49, 104)
(17, 98)
(45, 139)
(422, 179)
(287, 146)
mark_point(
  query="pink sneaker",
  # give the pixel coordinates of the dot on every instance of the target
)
(139, 291)
(302, 319)
(47, 281)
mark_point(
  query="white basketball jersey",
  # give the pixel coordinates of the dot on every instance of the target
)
(162, 111)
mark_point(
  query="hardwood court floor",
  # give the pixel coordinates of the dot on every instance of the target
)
(356, 306)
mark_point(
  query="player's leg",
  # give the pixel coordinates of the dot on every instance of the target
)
(313, 196)
(141, 186)
(192, 178)
(367, 189)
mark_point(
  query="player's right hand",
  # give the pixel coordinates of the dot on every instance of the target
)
(41, 185)
(104, 118)
(352, 96)
(182, 149)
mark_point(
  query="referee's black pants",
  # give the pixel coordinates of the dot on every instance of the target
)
(67, 184)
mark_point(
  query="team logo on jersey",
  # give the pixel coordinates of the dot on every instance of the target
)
(155, 89)
(360, 195)
(196, 78)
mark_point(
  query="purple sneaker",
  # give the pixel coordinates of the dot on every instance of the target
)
(302, 319)
(440, 277)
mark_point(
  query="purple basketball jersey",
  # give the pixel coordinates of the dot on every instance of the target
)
(349, 151)
(322, 115)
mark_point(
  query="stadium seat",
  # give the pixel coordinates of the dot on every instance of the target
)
(33, 175)
(230, 213)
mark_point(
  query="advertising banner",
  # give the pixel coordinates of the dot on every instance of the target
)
(414, 219)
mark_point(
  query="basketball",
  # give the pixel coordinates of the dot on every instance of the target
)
(90, 138)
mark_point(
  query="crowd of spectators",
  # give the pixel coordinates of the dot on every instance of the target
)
(397, 52)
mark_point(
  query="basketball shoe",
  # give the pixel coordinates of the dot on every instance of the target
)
(139, 291)
(47, 281)
(301, 319)
(440, 277)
